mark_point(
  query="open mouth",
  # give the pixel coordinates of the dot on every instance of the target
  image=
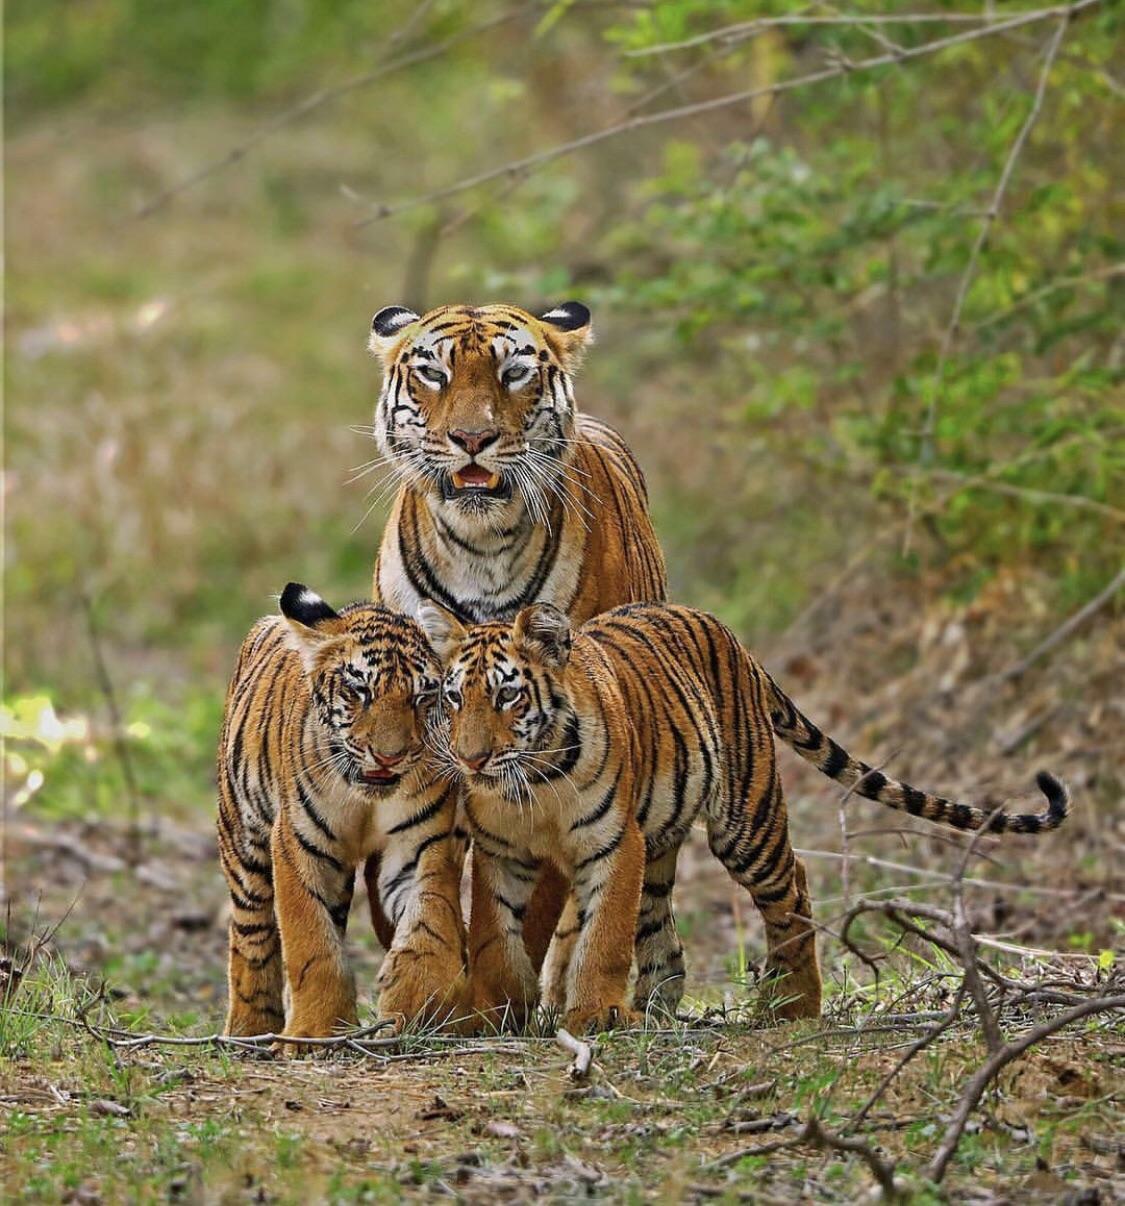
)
(475, 480)
(379, 778)
(475, 477)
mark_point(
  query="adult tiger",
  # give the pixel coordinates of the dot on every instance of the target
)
(509, 494)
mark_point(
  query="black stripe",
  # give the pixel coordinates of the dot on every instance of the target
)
(420, 817)
(604, 852)
(599, 810)
(313, 849)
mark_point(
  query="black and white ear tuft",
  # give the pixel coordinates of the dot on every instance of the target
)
(570, 316)
(391, 319)
(567, 329)
(304, 606)
(543, 632)
(386, 327)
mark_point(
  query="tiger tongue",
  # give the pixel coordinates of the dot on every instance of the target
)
(474, 475)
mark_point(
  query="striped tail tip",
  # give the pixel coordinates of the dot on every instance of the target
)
(1058, 799)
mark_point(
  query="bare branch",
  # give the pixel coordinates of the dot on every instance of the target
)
(984, 1075)
(970, 481)
(967, 946)
(1065, 282)
(322, 97)
(1064, 630)
(516, 167)
(953, 328)
(814, 1133)
(744, 30)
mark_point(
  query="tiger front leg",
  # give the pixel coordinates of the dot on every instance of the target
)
(556, 966)
(254, 962)
(312, 898)
(607, 886)
(503, 984)
(423, 975)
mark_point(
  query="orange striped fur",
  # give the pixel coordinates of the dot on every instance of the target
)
(597, 749)
(322, 761)
(566, 521)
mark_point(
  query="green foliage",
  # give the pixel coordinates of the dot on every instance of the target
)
(772, 283)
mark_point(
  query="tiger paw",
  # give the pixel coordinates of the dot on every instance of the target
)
(603, 1017)
(427, 993)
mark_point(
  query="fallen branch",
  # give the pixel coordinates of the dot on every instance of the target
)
(815, 1134)
(984, 1075)
(1064, 630)
(883, 1172)
(361, 1039)
(515, 167)
(583, 1054)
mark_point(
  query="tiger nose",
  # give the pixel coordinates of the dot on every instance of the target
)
(474, 762)
(387, 760)
(474, 441)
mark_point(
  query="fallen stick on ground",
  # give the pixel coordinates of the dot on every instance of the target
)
(583, 1054)
(988, 1071)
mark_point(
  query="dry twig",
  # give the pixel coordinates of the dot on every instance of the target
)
(984, 1075)
(583, 1054)
(953, 328)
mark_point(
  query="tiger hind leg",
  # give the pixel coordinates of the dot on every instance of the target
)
(761, 859)
(660, 955)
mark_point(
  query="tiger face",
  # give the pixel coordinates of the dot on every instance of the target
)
(504, 694)
(374, 681)
(477, 407)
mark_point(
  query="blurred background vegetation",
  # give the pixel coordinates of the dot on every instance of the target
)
(192, 264)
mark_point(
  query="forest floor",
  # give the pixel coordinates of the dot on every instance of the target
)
(667, 1114)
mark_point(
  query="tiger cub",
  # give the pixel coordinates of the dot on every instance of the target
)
(322, 761)
(598, 750)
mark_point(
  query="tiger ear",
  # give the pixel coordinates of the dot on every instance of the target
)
(543, 632)
(569, 332)
(443, 629)
(313, 625)
(386, 331)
